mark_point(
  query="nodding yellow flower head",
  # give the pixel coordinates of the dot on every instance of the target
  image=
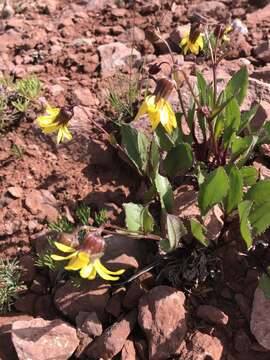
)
(158, 108)
(86, 258)
(56, 120)
(221, 32)
(192, 40)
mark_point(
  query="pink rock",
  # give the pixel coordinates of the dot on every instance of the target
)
(89, 323)
(259, 16)
(83, 96)
(15, 191)
(7, 350)
(43, 204)
(128, 351)
(260, 324)
(93, 297)
(28, 269)
(202, 346)
(43, 339)
(212, 314)
(162, 317)
(111, 342)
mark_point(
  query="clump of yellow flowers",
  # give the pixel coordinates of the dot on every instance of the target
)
(192, 40)
(157, 107)
(56, 120)
(86, 258)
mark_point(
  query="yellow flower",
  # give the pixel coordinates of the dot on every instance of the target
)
(159, 111)
(55, 120)
(194, 45)
(88, 264)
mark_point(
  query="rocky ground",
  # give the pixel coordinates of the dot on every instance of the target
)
(75, 48)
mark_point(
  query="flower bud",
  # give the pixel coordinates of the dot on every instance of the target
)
(163, 89)
(93, 243)
(154, 69)
(195, 31)
(69, 239)
(65, 114)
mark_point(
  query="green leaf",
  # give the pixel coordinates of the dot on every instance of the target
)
(165, 192)
(237, 86)
(175, 230)
(235, 192)
(133, 216)
(178, 160)
(154, 159)
(249, 175)
(259, 218)
(138, 218)
(240, 145)
(147, 220)
(245, 227)
(199, 231)
(232, 122)
(245, 156)
(246, 117)
(205, 92)
(136, 145)
(259, 193)
(163, 139)
(264, 284)
(213, 190)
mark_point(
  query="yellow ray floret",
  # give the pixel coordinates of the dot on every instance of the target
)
(52, 121)
(87, 265)
(158, 112)
(191, 46)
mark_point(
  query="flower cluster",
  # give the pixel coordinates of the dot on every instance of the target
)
(56, 120)
(86, 258)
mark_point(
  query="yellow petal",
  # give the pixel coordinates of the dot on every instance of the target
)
(45, 120)
(67, 133)
(52, 111)
(93, 274)
(60, 258)
(81, 260)
(199, 41)
(107, 271)
(86, 271)
(103, 274)
(142, 111)
(50, 128)
(184, 41)
(60, 135)
(155, 120)
(63, 248)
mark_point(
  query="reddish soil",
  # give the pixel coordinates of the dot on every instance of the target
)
(42, 40)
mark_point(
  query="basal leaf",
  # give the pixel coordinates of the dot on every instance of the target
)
(175, 230)
(163, 139)
(213, 190)
(136, 145)
(133, 216)
(259, 217)
(239, 146)
(259, 193)
(249, 175)
(237, 86)
(231, 122)
(147, 221)
(199, 231)
(264, 283)
(246, 117)
(245, 227)
(178, 160)
(235, 192)
(138, 218)
(165, 192)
